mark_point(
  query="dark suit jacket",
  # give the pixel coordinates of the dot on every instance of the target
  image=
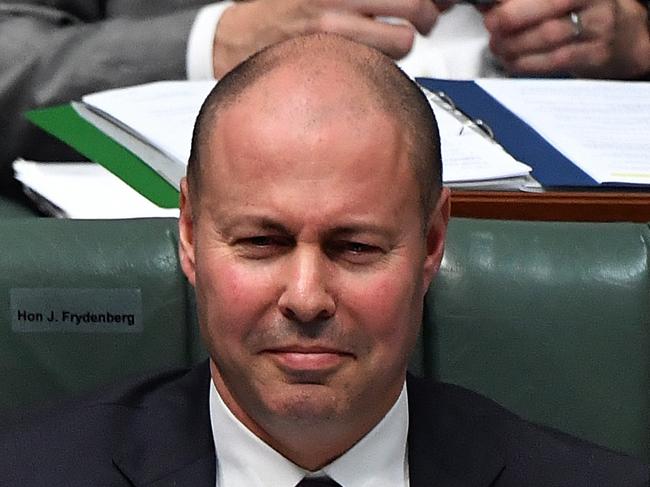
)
(156, 432)
(54, 51)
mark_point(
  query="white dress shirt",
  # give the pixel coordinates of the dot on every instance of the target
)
(379, 459)
(199, 59)
(456, 48)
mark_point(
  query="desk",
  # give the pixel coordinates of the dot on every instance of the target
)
(595, 206)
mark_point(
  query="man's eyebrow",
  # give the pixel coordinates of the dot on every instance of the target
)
(257, 222)
(230, 223)
(355, 229)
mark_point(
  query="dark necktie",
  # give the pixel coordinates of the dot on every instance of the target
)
(317, 482)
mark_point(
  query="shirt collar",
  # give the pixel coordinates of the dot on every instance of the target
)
(378, 459)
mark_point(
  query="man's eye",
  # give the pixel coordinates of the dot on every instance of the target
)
(359, 248)
(264, 241)
(357, 252)
(261, 241)
(261, 246)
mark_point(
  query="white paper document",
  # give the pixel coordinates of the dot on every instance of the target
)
(603, 127)
(85, 190)
(162, 114)
(468, 154)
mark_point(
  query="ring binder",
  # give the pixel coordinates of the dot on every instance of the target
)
(472, 157)
(484, 127)
(127, 137)
(443, 100)
(573, 133)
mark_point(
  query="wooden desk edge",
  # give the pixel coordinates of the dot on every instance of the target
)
(552, 205)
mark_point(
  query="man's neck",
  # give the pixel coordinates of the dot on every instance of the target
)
(382, 450)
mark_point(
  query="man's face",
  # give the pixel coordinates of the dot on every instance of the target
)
(310, 264)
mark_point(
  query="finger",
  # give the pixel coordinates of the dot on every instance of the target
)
(514, 15)
(575, 58)
(395, 40)
(422, 14)
(444, 5)
(544, 37)
(598, 24)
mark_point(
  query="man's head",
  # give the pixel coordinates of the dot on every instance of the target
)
(386, 86)
(315, 167)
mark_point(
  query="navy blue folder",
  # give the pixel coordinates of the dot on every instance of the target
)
(550, 167)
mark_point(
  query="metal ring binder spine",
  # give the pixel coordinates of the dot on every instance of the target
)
(443, 100)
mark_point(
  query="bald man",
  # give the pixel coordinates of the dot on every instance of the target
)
(312, 223)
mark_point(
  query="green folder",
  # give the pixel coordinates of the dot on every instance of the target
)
(64, 123)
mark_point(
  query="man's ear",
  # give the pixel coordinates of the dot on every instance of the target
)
(436, 233)
(186, 234)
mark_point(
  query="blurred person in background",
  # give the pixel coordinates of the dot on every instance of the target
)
(54, 51)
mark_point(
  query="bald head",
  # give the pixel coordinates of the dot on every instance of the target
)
(348, 79)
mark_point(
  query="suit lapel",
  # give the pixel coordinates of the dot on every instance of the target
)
(168, 440)
(447, 446)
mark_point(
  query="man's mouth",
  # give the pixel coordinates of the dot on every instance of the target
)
(297, 359)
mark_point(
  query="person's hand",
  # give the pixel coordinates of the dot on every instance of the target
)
(247, 27)
(585, 38)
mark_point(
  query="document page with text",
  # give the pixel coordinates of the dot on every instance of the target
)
(603, 127)
(468, 154)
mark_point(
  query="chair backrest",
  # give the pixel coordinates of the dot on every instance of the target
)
(10, 208)
(551, 320)
(83, 303)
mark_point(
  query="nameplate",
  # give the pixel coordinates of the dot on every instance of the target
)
(76, 310)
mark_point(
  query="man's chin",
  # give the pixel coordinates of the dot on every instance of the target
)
(311, 402)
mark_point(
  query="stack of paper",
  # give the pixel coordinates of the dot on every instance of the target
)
(572, 132)
(83, 190)
(167, 127)
(154, 123)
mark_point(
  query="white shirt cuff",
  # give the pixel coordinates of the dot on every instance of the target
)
(199, 44)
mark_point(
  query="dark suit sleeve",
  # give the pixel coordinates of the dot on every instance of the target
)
(53, 55)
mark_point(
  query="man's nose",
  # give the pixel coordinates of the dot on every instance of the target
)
(306, 296)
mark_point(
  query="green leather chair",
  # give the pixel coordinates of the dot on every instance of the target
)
(117, 267)
(10, 208)
(550, 319)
